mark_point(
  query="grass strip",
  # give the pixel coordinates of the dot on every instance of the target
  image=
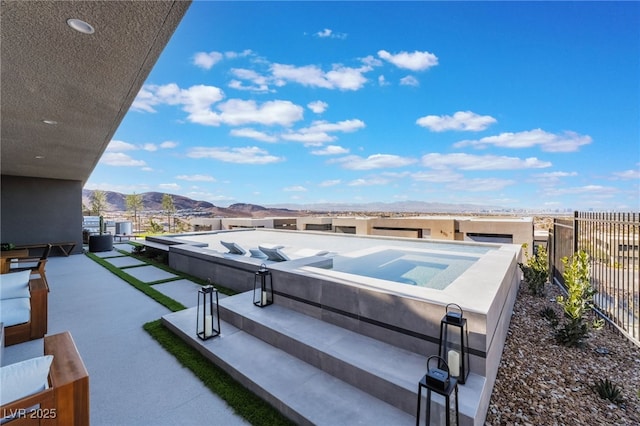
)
(142, 257)
(245, 403)
(165, 301)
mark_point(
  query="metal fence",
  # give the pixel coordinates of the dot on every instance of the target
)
(612, 242)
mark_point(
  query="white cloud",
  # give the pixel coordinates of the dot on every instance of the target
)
(259, 83)
(318, 132)
(328, 183)
(253, 134)
(462, 120)
(565, 142)
(318, 106)
(308, 138)
(145, 101)
(396, 175)
(441, 176)
(238, 112)
(196, 100)
(340, 77)
(415, 61)
(295, 188)
(120, 159)
(246, 155)
(259, 88)
(376, 161)
(551, 178)
(382, 81)
(591, 190)
(371, 61)
(208, 196)
(120, 146)
(328, 33)
(125, 189)
(409, 81)
(345, 126)
(244, 53)
(207, 60)
(330, 150)
(481, 162)
(371, 181)
(196, 178)
(169, 186)
(480, 184)
(628, 174)
(168, 144)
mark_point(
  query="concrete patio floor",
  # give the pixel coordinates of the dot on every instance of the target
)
(133, 380)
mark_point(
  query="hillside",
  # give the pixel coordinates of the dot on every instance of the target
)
(152, 202)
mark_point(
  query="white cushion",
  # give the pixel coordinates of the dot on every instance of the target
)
(15, 311)
(15, 284)
(24, 378)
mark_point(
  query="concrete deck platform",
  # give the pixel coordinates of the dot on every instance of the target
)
(133, 380)
(348, 363)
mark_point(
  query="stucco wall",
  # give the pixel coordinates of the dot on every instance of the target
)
(35, 210)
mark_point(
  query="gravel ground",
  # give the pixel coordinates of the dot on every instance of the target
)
(542, 383)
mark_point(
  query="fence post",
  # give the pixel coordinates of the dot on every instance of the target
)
(575, 231)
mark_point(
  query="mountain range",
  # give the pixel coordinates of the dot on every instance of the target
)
(152, 201)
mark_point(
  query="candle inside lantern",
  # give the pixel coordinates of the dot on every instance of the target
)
(453, 360)
(264, 297)
(208, 325)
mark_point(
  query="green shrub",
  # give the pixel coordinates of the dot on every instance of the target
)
(536, 270)
(550, 315)
(578, 302)
(609, 390)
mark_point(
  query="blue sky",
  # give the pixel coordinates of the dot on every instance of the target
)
(520, 105)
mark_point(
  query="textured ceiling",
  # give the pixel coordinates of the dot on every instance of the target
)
(85, 83)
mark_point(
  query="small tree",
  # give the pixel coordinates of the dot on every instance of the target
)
(154, 227)
(168, 207)
(578, 302)
(536, 270)
(98, 202)
(133, 203)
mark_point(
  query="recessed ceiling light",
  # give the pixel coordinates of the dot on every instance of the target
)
(39, 157)
(51, 122)
(80, 25)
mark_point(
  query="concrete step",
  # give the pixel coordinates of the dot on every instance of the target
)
(386, 372)
(291, 359)
(305, 394)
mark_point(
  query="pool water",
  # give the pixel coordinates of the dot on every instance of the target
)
(418, 268)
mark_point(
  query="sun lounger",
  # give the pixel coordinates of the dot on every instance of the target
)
(257, 253)
(273, 252)
(233, 248)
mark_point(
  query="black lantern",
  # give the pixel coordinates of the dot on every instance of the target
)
(439, 381)
(262, 287)
(207, 313)
(454, 342)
